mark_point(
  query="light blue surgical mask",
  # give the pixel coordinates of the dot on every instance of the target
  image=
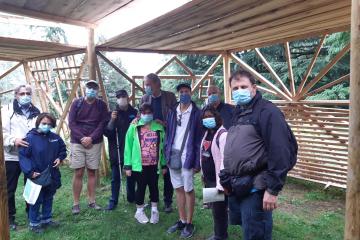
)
(209, 122)
(146, 118)
(24, 100)
(185, 98)
(91, 93)
(213, 98)
(44, 128)
(241, 96)
(148, 90)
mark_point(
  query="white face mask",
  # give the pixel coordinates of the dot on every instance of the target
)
(122, 102)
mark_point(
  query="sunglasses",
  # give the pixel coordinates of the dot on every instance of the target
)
(179, 120)
(25, 93)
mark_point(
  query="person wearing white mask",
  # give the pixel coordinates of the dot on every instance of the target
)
(87, 123)
(18, 119)
(115, 131)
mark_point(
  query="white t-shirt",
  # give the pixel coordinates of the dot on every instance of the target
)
(180, 130)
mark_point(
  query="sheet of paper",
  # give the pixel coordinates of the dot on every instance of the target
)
(31, 192)
(212, 195)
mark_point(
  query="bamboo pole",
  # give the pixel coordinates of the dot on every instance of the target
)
(10, 70)
(4, 212)
(226, 69)
(291, 73)
(207, 73)
(352, 214)
(37, 89)
(91, 54)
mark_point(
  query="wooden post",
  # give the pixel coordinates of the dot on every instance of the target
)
(226, 68)
(4, 214)
(91, 55)
(352, 215)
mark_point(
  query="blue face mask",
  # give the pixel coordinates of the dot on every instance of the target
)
(241, 96)
(44, 128)
(209, 122)
(91, 93)
(25, 100)
(185, 98)
(146, 118)
(213, 98)
(148, 91)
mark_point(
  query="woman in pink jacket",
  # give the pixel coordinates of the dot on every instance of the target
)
(212, 155)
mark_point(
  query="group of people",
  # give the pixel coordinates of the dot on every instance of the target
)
(244, 151)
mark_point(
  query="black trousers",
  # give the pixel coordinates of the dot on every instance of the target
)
(168, 189)
(13, 172)
(148, 177)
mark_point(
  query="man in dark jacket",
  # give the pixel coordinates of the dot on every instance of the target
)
(161, 102)
(259, 149)
(182, 145)
(115, 131)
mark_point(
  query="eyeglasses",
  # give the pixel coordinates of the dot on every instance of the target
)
(25, 93)
(179, 120)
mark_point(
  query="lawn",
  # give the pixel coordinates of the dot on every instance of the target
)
(306, 212)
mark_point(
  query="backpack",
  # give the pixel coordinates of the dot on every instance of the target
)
(217, 140)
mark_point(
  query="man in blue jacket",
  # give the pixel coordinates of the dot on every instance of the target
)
(183, 137)
(260, 150)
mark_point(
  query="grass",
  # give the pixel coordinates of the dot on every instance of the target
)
(306, 212)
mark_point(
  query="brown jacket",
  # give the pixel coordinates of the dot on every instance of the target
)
(168, 100)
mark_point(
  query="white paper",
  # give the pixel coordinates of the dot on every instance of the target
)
(212, 195)
(31, 192)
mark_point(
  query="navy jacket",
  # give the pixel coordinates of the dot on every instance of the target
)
(195, 136)
(121, 125)
(43, 150)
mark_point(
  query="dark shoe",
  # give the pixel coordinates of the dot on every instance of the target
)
(177, 226)
(206, 206)
(94, 206)
(188, 231)
(111, 206)
(12, 224)
(51, 224)
(36, 229)
(75, 209)
(168, 208)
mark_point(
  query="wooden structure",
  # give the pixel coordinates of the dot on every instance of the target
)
(219, 28)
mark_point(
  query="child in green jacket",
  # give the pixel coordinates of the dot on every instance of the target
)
(143, 156)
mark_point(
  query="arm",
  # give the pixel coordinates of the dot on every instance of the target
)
(25, 160)
(198, 138)
(220, 165)
(109, 130)
(129, 140)
(276, 137)
(62, 150)
(161, 150)
(9, 140)
(99, 130)
(74, 127)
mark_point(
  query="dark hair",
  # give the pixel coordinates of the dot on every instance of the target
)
(215, 113)
(154, 78)
(45, 115)
(242, 73)
(144, 107)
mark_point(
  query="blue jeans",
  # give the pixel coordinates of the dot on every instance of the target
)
(45, 201)
(248, 212)
(116, 184)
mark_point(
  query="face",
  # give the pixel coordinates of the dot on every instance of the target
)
(92, 86)
(184, 90)
(150, 83)
(147, 112)
(23, 92)
(242, 82)
(208, 114)
(46, 121)
(213, 90)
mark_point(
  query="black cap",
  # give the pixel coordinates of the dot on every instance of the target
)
(183, 85)
(121, 93)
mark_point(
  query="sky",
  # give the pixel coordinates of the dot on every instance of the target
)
(134, 14)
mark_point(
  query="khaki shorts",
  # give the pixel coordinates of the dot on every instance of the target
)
(82, 157)
(182, 178)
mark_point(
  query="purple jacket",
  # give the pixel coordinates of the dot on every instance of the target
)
(195, 135)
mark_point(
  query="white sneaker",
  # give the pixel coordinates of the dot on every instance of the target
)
(154, 217)
(141, 217)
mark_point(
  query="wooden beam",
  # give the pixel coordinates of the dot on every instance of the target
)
(91, 55)
(315, 102)
(71, 95)
(326, 86)
(206, 74)
(167, 63)
(227, 73)
(325, 70)
(57, 55)
(10, 70)
(259, 77)
(272, 72)
(169, 51)
(352, 212)
(186, 68)
(267, 90)
(289, 64)
(29, 75)
(119, 71)
(311, 65)
(101, 83)
(42, 16)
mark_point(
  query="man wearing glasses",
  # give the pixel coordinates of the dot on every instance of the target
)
(18, 119)
(182, 152)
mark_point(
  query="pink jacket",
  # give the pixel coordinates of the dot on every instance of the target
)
(217, 153)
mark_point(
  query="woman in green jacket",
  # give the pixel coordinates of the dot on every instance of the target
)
(143, 156)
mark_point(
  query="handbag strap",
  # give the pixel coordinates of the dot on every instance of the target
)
(185, 137)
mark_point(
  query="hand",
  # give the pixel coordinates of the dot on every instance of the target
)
(128, 173)
(114, 115)
(135, 121)
(160, 122)
(56, 163)
(226, 192)
(86, 142)
(164, 171)
(35, 174)
(269, 201)
(20, 143)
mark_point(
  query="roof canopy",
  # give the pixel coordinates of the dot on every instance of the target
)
(212, 25)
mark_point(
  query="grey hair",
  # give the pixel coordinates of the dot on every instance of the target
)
(154, 78)
(27, 87)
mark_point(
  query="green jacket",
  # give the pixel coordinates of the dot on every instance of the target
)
(132, 153)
